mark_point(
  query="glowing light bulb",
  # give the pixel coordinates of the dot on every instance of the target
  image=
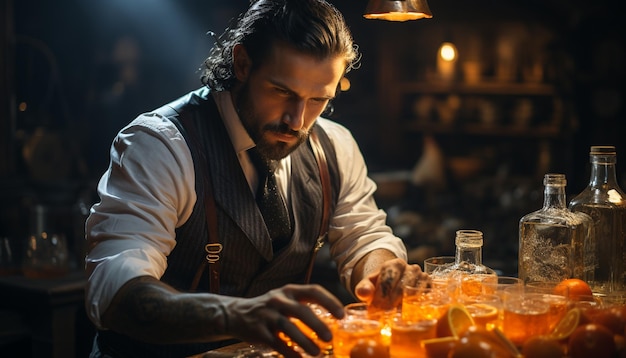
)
(446, 61)
(447, 51)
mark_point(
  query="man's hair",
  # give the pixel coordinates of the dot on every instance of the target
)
(313, 27)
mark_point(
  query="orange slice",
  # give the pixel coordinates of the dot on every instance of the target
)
(482, 313)
(455, 321)
(439, 347)
(567, 324)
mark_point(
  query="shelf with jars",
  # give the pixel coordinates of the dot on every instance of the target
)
(474, 91)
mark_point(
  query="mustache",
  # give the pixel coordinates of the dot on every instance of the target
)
(283, 128)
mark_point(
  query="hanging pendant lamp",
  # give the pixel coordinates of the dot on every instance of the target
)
(397, 10)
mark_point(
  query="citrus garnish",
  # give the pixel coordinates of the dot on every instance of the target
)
(567, 324)
(439, 347)
(454, 322)
(482, 313)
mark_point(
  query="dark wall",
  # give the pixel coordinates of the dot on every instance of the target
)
(83, 69)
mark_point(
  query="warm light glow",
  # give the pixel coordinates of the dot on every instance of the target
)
(397, 10)
(447, 52)
(344, 84)
(22, 107)
(446, 61)
(398, 16)
(615, 196)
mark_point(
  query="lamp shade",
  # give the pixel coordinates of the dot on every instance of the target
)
(399, 10)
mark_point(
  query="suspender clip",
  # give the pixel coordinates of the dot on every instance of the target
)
(213, 252)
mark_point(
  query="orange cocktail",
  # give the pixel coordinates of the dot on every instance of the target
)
(321, 313)
(477, 284)
(525, 316)
(420, 303)
(558, 308)
(348, 331)
(484, 314)
(407, 336)
(485, 309)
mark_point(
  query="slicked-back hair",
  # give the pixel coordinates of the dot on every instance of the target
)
(313, 27)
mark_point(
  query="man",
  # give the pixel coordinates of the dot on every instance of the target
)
(186, 169)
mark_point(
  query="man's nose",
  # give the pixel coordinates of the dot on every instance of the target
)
(294, 116)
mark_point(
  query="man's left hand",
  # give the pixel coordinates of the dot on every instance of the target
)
(383, 289)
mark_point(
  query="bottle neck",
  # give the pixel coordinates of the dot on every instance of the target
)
(603, 171)
(470, 254)
(554, 196)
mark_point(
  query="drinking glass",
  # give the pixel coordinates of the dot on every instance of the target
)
(349, 330)
(326, 348)
(502, 283)
(559, 303)
(407, 336)
(46, 256)
(424, 303)
(432, 263)
(485, 309)
(362, 310)
(524, 315)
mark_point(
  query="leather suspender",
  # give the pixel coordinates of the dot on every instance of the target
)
(320, 157)
(213, 248)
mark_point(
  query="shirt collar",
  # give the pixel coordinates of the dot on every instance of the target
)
(238, 135)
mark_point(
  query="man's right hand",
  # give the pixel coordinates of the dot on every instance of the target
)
(151, 311)
(260, 319)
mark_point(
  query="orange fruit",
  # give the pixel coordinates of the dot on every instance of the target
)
(542, 347)
(610, 319)
(369, 348)
(439, 347)
(454, 322)
(505, 342)
(591, 340)
(478, 342)
(566, 326)
(573, 288)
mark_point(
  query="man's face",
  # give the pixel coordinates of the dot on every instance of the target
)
(279, 101)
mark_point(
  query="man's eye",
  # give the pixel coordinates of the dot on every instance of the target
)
(283, 92)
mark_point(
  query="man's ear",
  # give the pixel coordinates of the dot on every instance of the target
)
(241, 62)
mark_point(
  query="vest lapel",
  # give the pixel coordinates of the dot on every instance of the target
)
(232, 192)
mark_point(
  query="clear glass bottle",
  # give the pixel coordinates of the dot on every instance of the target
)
(46, 253)
(605, 202)
(467, 273)
(554, 242)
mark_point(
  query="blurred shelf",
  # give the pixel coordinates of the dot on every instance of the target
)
(485, 130)
(481, 88)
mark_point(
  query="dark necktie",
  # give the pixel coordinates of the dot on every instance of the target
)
(271, 203)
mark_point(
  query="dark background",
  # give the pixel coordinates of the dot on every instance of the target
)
(74, 72)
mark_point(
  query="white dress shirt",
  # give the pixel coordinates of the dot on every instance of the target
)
(149, 191)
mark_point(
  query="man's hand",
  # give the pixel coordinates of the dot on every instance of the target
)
(383, 289)
(151, 311)
(260, 319)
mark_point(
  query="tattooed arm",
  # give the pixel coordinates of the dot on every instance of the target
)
(149, 310)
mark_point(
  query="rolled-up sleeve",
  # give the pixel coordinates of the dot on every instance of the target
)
(358, 225)
(147, 192)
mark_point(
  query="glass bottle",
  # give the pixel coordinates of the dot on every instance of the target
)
(467, 274)
(46, 253)
(554, 242)
(605, 202)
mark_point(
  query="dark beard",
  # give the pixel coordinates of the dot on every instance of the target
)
(250, 122)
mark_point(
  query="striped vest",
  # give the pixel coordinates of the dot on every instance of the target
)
(248, 265)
